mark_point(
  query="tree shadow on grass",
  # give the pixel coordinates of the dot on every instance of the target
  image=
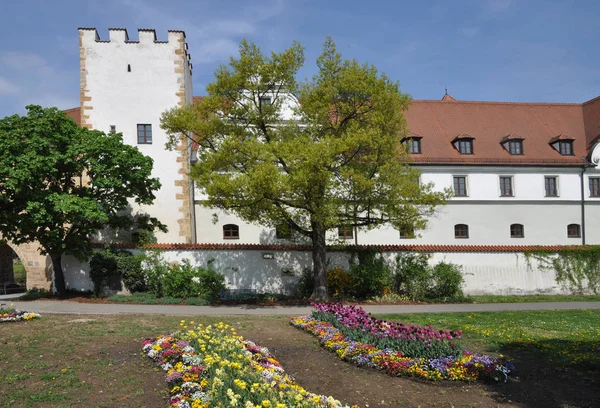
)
(551, 373)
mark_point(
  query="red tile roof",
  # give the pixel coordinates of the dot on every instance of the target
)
(382, 248)
(74, 113)
(490, 124)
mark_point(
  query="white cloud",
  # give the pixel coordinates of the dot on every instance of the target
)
(7, 88)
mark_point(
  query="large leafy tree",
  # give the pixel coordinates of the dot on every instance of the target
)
(314, 156)
(60, 183)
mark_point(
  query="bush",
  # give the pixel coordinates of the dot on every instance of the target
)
(446, 281)
(339, 282)
(211, 283)
(412, 275)
(132, 273)
(155, 270)
(414, 278)
(102, 268)
(306, 284)
(369, 273)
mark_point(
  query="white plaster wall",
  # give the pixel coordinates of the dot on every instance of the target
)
(484, 183)
(489, 224)
(125, 99)
(483, 273)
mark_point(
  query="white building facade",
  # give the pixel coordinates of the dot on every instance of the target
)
(523, 174)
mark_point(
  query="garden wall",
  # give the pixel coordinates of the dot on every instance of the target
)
(271, 268)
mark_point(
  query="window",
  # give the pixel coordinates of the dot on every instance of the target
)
(517, 231)
(594, 186)
(565, 147)
(345, 232)
(460, 186)
(573, 231)
(283, 231)
(515, 147)
(506, 189)
(413, 145)
(461, 231)
(231, 231)
(113, 128)
(264, 101)
(551, 184)
(407, 232)
(144, 134)
(464, 146)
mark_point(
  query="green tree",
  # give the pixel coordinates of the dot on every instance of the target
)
(60, 183)
(315, 155)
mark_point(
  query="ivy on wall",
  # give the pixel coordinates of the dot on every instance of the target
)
(576, 267)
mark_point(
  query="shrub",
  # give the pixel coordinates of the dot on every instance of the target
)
(369, 273)
(339, 282)
(412, 275)
(102, 268)
(132, 273)
(180, 282)
(306, 284)
(446, 281)
(155, 270)
(211, 283)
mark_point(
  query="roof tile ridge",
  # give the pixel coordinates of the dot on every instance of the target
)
(573, 104)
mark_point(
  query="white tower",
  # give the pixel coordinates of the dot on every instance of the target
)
(124, 87)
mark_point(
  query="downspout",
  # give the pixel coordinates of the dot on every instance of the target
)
(582, 206)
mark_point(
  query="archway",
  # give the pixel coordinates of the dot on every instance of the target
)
(38, 268)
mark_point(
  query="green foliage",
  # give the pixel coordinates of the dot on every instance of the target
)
(131, 270)
(306, 284)
(412, 275)
(339, 282)
(102, 268)
(447, 282)
(338, 163)
(44, 159)
(417, 280)
(211, 283)
(369, 273)
(577, 268)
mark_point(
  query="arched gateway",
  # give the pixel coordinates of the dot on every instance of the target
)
(38, 267)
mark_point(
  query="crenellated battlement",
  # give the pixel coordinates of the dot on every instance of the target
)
(120, 35)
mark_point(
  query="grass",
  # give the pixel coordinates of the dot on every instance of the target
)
(534, 298)
(565, 338)
(65, 361)
(150, 299)
(19, 273)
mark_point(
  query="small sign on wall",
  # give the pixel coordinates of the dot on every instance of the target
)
(268, 255)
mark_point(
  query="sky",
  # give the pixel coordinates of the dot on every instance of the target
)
(492, 50)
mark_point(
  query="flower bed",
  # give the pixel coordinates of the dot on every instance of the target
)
(394, 359)
(212, 366)
(9, 315)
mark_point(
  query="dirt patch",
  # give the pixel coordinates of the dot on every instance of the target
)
(321, 371)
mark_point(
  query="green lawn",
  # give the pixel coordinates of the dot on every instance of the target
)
(569, 338)
(19, 271)
(534, 298)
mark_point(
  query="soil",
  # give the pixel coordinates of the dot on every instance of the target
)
(537, 384)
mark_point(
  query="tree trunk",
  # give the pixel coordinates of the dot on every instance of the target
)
(319, 255)
(59, 277)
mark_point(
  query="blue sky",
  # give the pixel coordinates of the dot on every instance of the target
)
(504, 50)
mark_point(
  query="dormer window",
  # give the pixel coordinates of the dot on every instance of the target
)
(464, 144)
(515, 147)
(513, 144)
(565, 147)
(563, 144)
(412, 144)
